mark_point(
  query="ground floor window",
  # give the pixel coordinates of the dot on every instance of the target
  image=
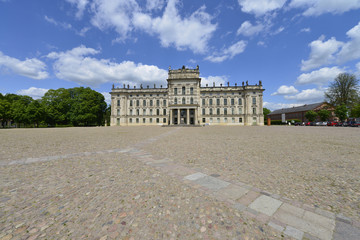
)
(150, 120)
(233, 120)
(164, 120)
(144, 120)
(218, 120)
(240, 120)
(225, 120)
(211, 120)
(118, 121)
(130, 120)
(254, 119)
(203, 120)
(137, 120)
(157, 120)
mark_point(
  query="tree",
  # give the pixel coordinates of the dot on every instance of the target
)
(355, 111)
(341, 112)
(344, 90)
(323, 114)
(57, 104)
(18, 109)
(35, 112)
(5, 111)
(266, 112)
(311, 115)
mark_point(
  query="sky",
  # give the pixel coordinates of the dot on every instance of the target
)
(295, 47)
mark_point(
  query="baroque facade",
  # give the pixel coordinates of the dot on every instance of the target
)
(185, 102)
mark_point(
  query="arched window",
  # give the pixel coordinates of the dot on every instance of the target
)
(183, 100)
(191, 90)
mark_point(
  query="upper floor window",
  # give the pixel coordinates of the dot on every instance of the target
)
(137, 103)
(175, 91)
(131, 103)
(118, 112)
(232, 101)
(225, 101)
(164, 111)
(218, 111)
(118, 102)
(254, 110)
(164, 102)
(157, 112)
(191, 101)
(151, 103)
(210, 102)
(203, 101)
(131, 112)
(183, 91)
(137, 112)
(225, 111)
(203, 111)
(218, 101)
(240, 101)
(144, 112)
(191, 90)
(183, 100)
(254, 100)
(175, 101)
(144, 103)
(210, 111)
(158, 102)
(151, 112)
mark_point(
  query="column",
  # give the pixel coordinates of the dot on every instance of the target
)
(187, 117)
(171, 117)
(195, 116)
(178, 116)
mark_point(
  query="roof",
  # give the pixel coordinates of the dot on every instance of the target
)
(304, 108)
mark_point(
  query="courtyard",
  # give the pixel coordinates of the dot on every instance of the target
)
(213, 182)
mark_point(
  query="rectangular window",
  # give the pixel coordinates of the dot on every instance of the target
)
(137, 103)
(218, 111)
(151, 103)
(158, 103)
(150, 120)
(203, 111)
(225, 119)
(254, 110)
(203, 120)
(118, 112)
(203, 101)
(175, 91)
(233, 120)
(118, 121)
(210, 101)
(137, 112)
(157, 120)
(225, 111)
(218, 120)
(240, 110)
(137, 120)
(240, 120)
(218, 101)
(144, 112)
(130, 120)
(151, 112)
(164, 120)
(164, 112)
(225, 101)
(157, 112)
(183, 91)
(211, 111)
(130, 103)
(191, 91)
(118, 103)
(240, 101)
(211, 120)
(144, 120)
(232, 101)
(164, 103)
(254, 100)
(233, 111)
(144, 103)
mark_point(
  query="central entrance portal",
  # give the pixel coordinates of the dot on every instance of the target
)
(183, 116)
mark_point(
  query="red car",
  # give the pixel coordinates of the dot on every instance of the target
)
(331, 123)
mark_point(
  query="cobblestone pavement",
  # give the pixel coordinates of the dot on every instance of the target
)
(130, 193)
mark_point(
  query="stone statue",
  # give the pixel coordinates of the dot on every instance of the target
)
(235, 84)
(160, 86)
(169, 68)
(247, 83)
(154, 86)
(113, 86)
(147, 86)
(128, 86)
(197, 67)
(243, 83)
(214, 84)
(141, 86)
(183, 67)
(124, 85)
(228, 84)
(260, 83)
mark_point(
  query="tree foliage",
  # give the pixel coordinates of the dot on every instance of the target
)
(341, 112)
(266, 111)
(311, 115)
(355, 111)
(323, 114)
(344, 90)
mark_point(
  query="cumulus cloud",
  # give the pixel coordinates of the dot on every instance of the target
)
(285, 90)
(154, 4)
(57, 23)
(308, 96)
(210, 80)
(32, 68)
(191, 32)
(351, 49)
(260, 7)
(228, 53)
(81, 5)
(107, 97)
(322, 53)
(33, 92)
(319, 77)
(247, 29)
(305, 30)
(275, 106)
(318, 7)
(76, 66)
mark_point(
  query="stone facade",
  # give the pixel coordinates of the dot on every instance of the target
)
(185, 102)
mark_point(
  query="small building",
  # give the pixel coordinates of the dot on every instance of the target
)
(185, 102)
(299, 112)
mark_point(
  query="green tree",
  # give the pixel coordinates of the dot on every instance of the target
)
(323, 114)
(5, 111)
(18, 110)
(341, 112)
(266, 112)
(344, 90)
(57, 104)
(311, 115)
(35, 112)
(108, 114)
(355, 111)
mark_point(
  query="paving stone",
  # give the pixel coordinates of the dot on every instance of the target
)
(346, 231)
(248, 198)
(293, 232)
(212, 183)
(292, 210)
(266, 205)
(276, 226)
(325, 213)
(342, 218)
(232, 192)
(195, 176)
(319, 220)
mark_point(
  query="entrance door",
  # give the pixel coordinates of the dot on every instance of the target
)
(192, 116)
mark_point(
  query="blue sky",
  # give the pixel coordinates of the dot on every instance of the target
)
(295, 47)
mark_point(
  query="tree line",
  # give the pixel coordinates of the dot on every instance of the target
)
(61, 107)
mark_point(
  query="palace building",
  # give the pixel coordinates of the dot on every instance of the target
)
(185, 102)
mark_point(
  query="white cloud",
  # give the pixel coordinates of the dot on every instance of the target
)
(260, 7)
(191, 32)
(285, 90)
(210, 80)
(115, 14)
(305, 30)
(308, 96)
(319, 77)
(318, 7)
(33, 92)
(358, 69)
(351, 49)
(107, 97)
(75, 65)
(228, 53)
(154, 4)
(81, 5)
(247, 29)
(322, 53)
(32, 68)
(275, 106)
(56, 23)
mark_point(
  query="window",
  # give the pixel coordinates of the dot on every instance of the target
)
(118, 112)
(151, 103)
(144, 112)
(137, 103)
(240, 101)
(218, 101)
(240, 110)
(233, 120)
(118, 121)
(164, 102)
(254, 119)
(232, 101)
(183, 90)
(225, 101)
(225, 111)
(158, 103)
(211, 111)
(210, 101)
(175, 91)
(150, 120)
(164, 120)
(203, 120)
(157, 120)
(233, 111)
(137, 120)
(157, 112)
(144, 103)
(191, 100)
(137, 112)
(203, 101)
(218, 120)
(131, 112)
(164, 112)
(183, 100)
(254, 110)
(225, 119)
(191, 90)
(203, 111)
(240, 120)
(130, 103)
(118, 103)
(254, 100)
(130, 120)
(151, 112)
(218, 111)
(211, 120)
(144, 120)
(175, 101)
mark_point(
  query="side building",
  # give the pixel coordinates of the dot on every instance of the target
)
(185, 102)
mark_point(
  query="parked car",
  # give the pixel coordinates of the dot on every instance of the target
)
(307, 123)
(313, 124)
(354, 124)
(298, 124)
(331, 123)
(338, 124)
(345, 124)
